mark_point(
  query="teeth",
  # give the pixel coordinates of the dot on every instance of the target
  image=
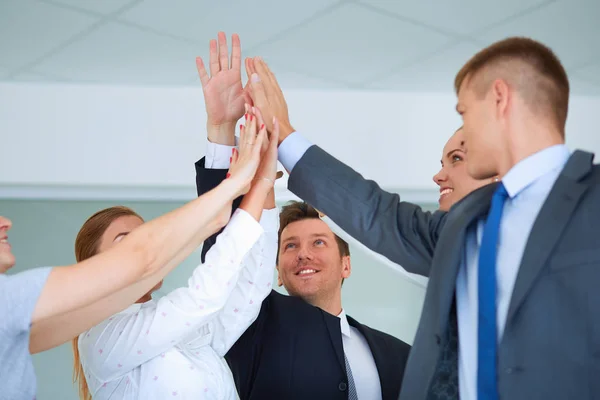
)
(307, 271)
(446, 191)
(4, 241)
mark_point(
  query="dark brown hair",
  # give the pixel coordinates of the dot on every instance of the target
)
(526, 65)
(298, 211)
(86, 246)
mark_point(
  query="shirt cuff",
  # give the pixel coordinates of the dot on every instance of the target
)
(244, 228)
(292, 149)
(218, 155)
(269, 220)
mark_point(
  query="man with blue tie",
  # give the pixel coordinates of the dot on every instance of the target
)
(511, 310)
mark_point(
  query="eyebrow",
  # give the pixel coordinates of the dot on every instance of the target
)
(312, 235)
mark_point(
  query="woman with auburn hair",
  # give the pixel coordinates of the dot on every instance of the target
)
(174, 346)
(44, 307)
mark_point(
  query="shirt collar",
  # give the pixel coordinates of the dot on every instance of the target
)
(344, 323)
(530, 169)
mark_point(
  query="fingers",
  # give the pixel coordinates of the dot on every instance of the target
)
(202, 71)
(250, 129)
(236, 52)
(260, 138)
(213, 58)
(257, 91)
(223, 51)
(265, 75)
(249, 63)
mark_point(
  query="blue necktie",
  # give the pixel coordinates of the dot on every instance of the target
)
(487, 387)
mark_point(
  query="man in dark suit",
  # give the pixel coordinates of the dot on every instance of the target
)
(301, 346)
(511, 305)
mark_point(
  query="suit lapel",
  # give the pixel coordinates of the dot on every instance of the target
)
(450, 250)
(335, 334)
(549, 225)
(379, 355)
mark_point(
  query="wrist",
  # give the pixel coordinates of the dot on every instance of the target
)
(284, 132)
(221, 133)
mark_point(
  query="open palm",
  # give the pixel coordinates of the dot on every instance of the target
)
(224, 94)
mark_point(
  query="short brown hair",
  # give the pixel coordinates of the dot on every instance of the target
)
(298, 211)
(528, 66)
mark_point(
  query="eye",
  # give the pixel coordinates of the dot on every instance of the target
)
(319, 242)
(289, 246)
(456, 158)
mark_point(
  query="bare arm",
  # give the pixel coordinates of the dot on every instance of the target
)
(144, 257)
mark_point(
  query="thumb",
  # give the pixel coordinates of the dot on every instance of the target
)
(257, 90)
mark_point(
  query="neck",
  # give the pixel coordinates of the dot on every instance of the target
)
(145, 298)
(331, 304)
(526, 142)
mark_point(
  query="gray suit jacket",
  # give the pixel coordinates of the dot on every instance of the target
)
(551, 343)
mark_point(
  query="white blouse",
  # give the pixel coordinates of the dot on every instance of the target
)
(173, 348)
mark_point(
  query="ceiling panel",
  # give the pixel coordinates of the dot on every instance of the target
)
(584, 87)
(458, 16)
(433, 74)
(590, 73)
(30, 29)
(352, 45)
(569, 27)
(120, 54)
(96, 6)
(255, 22)
(4, 72)
(33, 77)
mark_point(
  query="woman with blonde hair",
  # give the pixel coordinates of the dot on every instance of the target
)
(174, 346)
(44, 307)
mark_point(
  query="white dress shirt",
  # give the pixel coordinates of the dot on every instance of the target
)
(356, 348)
(360, 358)
(528, 184)
(174, 347)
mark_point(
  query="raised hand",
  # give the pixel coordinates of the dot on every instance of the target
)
(224, 95)
(268, 96)
(267, 170)
(245, 161)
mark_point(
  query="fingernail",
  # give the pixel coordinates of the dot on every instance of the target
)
(232, 151)
(274, 120)
(246, 115)
(254, 110)
(262, 127)
(230, 159)
(255, 77)
(242, 126)
(251, 117)
(228, 175)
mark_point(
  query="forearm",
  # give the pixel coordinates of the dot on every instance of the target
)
(258, 198)
(159, 244)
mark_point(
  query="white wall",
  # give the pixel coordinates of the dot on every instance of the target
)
(111, 139)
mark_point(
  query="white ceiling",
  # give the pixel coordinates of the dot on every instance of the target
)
(325, 44)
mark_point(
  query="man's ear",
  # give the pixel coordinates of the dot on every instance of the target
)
(346, 267)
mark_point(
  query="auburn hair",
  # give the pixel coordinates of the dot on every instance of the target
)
(86, 246)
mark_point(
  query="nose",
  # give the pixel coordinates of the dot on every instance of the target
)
(304, 254)
(5, 224)
(440, 177)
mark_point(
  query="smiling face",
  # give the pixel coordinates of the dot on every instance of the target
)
(7, 258)
(310, 265)
(453, 178)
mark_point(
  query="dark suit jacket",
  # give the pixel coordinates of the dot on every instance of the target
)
(294, 350)
(550, 348)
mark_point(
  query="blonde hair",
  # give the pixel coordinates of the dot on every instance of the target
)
(86, 246)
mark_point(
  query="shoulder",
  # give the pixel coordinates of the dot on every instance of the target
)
(19, 294)
(380, 337)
